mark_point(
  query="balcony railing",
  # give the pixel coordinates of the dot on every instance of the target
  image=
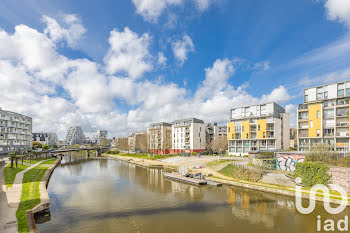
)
(328, 134)
(343, 124)
(343, 114)
(342, 144)
(342, 134)
(303, 107)
(303, 135)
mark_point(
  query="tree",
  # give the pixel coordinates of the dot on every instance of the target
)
(37, 145)
(321, 153)
(219, 144)
(45, 147)
(13, 157)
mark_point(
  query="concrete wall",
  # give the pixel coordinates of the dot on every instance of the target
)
(340, 176)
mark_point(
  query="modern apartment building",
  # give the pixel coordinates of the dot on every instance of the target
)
(75, 135)
(324, 117)
(188, 135)
(15, 132)
(159, 138)
(138, 141)
(45, 138)
(214, 131)
(100, 136)
(262, 127)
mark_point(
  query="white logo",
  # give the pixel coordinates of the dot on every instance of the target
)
(326, 198)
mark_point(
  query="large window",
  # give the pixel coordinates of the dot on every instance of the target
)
(311, 124)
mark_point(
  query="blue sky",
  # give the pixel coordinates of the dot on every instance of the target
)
(120, 65)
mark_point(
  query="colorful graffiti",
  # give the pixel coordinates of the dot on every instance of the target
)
(287, 161)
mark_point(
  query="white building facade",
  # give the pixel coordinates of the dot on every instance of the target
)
(263, 127)
(188, 135)
(15, 132)
(100, 136)
(324, 117)
(45, 138)
(75, 135)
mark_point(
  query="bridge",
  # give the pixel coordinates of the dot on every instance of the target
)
(99, 151)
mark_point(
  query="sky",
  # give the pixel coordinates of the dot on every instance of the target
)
(121, 65)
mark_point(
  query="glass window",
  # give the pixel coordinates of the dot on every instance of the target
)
(318, 114)
(306, 98)
(326, 94)
(341, 93)
(318, 133)
(347, 92)
(311, 124)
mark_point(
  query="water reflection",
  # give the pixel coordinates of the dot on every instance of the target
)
(100, 195)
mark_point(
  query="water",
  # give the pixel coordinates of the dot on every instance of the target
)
(99, 195)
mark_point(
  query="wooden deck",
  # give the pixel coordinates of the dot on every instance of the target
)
(184, 178)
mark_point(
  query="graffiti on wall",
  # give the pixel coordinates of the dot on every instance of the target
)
(287, 161)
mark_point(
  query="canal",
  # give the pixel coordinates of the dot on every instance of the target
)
(101, 195)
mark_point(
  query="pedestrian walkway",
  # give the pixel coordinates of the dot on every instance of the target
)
(10, 199)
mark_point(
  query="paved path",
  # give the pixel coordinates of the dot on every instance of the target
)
(8, 220)
(10, 199)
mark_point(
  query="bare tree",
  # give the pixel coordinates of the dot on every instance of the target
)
(219, 144)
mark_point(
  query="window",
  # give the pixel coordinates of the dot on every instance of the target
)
(258, 127)
(318, 114)
(229, 129)
(347, 91)
(243, 128)
(306, 98)
(325, 95)
(341, 93)
(318, 132)
(263, 134)
(247, 135)
(311, 124)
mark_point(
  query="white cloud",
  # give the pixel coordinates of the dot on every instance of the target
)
(182, 47)
(58, 92)
(202, 4)
(161, 59)
(128, 53)
(71, 33)
(279, 94)
(150, 10)
(339, 10)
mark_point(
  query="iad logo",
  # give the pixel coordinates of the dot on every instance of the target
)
(329, 224)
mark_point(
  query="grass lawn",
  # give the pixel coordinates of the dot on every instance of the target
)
(34, 161)
(10, 173)
(216, 162)
(30, 195)
(51, 161)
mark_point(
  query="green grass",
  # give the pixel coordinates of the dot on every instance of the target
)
(216, 162)
(10, 173)
(34, 161)
(145, 156)
(30, 195)
(51, 161)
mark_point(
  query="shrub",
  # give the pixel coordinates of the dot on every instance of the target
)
(343, 161)
(321, 153)
(241, 173)
(113, 152)
(312, 173)
(194, 153)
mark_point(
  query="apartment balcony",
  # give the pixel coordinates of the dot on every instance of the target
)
(252, 129)
(328, 134)
(343, 124)
(270, 128)
(342, 134)
(342, 144)
(343, 114)
(303, 135)
(253, 121)
(303, 107)
(3, 124)
(303, 118)
(4, 143)
(5, 118)
(328, 105)
(343, 103)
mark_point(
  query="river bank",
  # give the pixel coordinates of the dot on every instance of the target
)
(216, 176)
